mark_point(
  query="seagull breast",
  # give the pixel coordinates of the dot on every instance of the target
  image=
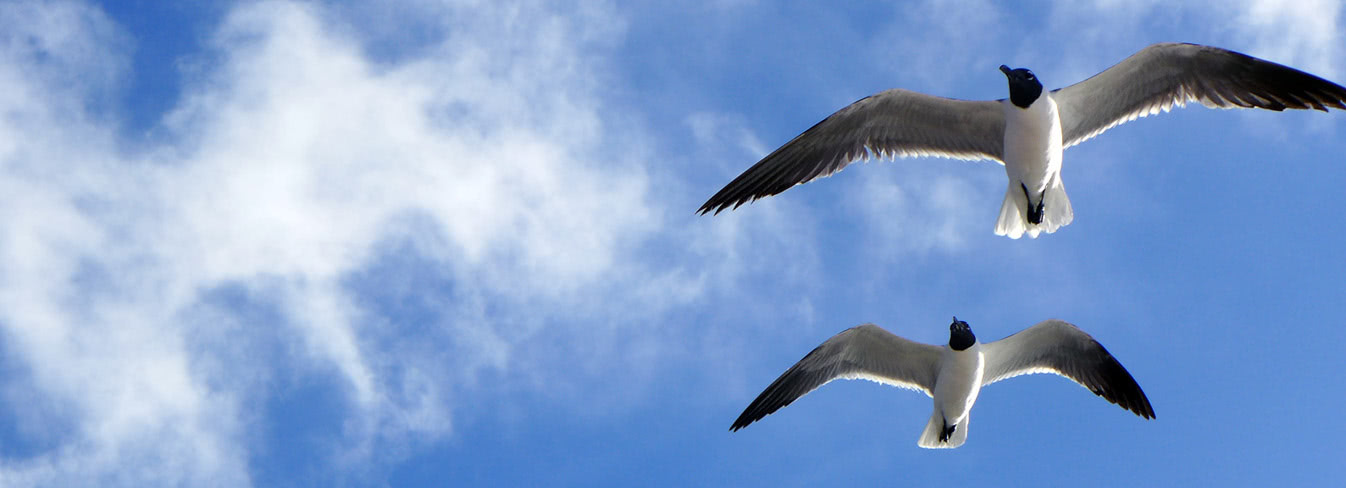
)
(1033, 143)
(959, 382)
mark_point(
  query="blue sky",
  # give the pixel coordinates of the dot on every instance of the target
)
(453, 244)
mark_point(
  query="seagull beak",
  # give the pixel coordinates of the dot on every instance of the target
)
(1005, 69)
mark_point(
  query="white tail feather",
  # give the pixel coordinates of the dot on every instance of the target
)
(1013, 221)
(1056, 211)
(930, 437)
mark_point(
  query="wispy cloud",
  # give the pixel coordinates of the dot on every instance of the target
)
(1302, 34)
(293, 165)
(390, 228)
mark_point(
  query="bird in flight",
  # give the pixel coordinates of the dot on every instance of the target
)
(1028, 131)
(953, 374)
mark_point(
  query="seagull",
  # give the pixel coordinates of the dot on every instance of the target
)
(953, 374)
(1028, 131)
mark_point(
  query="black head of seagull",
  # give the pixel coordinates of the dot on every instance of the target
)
(960, 335)
(1023, 86)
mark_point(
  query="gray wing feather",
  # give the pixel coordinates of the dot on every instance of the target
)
(864, 352)
(1168, 74)
(1057, 347)
(891, 123)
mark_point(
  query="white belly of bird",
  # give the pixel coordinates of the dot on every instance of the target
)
(959, 382)
(1032, 145)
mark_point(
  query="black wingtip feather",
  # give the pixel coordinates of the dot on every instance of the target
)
(1127, 393)
(774, 397)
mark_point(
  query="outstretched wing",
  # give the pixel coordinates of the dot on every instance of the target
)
(1057, 347)
(1167, 74)
(864, 352)
(891, 123)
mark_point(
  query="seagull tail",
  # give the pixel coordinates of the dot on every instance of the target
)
(1055, 211)
(936, 435)
(1013, 216)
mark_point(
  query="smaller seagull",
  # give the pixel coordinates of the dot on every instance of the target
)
(953, 375)
(1028, 131)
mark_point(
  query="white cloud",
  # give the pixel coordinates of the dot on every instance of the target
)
(1304, 34)
(294, 163)
(908, 211)
(717, 129)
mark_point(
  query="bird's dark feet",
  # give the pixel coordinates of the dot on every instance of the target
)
(947, 432)
(1034, 212)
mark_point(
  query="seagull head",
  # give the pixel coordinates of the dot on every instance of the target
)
(960, 335)
(1024, 87)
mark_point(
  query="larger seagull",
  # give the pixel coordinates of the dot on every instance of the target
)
(953, 374)
(1027, 131)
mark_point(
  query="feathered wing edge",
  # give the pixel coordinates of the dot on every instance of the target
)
(1165, 75)
(864, 352)
(1058, 347)
(888, 124)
